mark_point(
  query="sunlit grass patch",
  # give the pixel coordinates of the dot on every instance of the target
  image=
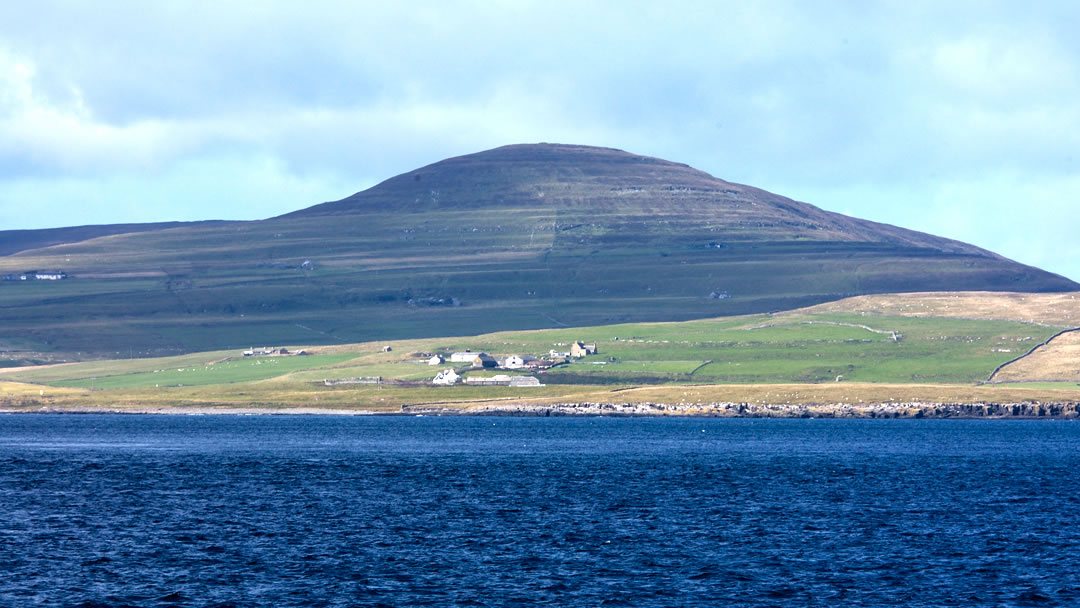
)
(195, 374)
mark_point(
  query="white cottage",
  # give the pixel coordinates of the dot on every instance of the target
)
(518, 361)
(446, 377)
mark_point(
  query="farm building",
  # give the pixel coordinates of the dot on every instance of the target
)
(463, 357)
(518, 361)
(503, 380)
(580, 349)
(50, 275)
(500, 380)
(484, 360)
(436, 360)
(446, 377)
(524, 381)
(539, 364)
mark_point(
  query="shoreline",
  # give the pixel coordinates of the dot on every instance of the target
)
(1058, 410)
(1064, 410)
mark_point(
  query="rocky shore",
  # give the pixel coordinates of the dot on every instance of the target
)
(1069, 410)
(910, 409)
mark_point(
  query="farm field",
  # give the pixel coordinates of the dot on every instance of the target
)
(229, 371)
(815, 353)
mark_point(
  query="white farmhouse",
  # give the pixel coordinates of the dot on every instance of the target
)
(463, 357)
(436, 360)
(518, 361)
(446, 377)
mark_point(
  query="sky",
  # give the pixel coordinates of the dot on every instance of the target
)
(959, 118)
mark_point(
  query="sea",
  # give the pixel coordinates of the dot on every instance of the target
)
(280, 510)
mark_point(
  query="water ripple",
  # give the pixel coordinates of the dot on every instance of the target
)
(295, 511)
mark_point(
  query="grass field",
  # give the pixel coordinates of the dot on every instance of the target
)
(302, 397)
(229, 371)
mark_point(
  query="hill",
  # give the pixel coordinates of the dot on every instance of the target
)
(519, 237)
(602, 195)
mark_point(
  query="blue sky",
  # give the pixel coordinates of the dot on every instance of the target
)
(956, 118)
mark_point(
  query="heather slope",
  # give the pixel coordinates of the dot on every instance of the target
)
(608, 185)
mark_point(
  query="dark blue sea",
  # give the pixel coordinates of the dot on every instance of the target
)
(115, 510)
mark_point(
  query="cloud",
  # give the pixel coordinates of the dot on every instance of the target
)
(889, 93)
(61, 135)
(221, 187)
(1030, 221)
(1001, 102)
(898, 102)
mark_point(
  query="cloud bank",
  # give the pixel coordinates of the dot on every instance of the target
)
(959, 120)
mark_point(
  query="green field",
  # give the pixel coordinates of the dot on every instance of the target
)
(222, 372)
(798, 348)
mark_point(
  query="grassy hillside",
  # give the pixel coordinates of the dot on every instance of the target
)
(523, 237)
(14, 241)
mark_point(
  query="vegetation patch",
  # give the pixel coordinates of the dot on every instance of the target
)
(228, 371)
